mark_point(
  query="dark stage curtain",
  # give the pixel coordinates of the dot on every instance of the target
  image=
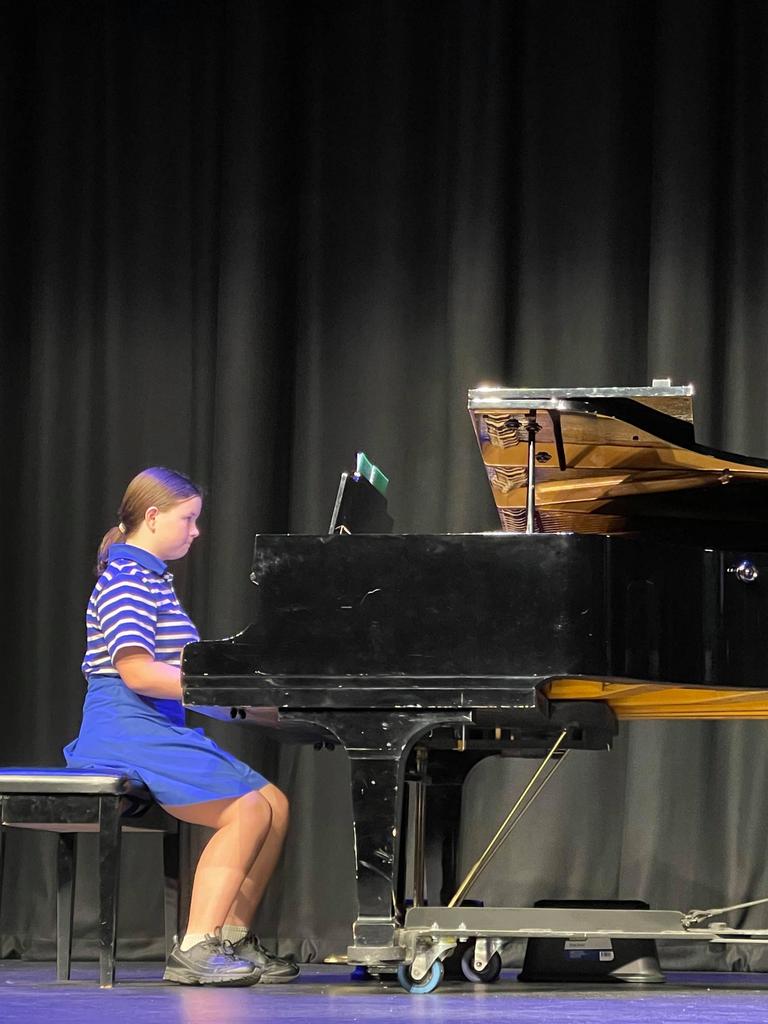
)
(246, 239)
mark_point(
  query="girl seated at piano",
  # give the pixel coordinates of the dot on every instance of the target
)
(133, 722)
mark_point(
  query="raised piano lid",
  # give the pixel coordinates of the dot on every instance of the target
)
(611, 460)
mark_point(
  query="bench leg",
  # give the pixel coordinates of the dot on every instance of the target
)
(2, 861)
(172, 892)
(66, 866)
(109, 881)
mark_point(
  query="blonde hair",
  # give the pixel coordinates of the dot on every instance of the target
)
(156, 486)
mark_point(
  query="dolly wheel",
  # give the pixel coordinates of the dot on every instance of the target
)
(489, 973)
(428, 983)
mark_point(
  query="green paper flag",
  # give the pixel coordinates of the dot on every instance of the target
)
(371, 473)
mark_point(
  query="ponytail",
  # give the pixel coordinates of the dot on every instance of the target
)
(112, 536)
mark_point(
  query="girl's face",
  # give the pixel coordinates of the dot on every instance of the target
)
(175, 529)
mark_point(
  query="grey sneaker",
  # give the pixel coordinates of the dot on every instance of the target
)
(210, 962)
(274, 970)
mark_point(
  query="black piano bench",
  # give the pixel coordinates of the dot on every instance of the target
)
(69, 803)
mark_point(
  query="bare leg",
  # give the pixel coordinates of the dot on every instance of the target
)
(242, 826)
(243, 908)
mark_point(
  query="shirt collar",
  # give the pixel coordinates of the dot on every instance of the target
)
(144, 558)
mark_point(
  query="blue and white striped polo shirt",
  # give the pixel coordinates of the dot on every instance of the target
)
(134, 605)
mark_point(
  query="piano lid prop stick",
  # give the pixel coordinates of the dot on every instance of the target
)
(530, 505)
(492, 848)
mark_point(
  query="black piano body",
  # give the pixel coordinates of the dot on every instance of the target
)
(422, 654)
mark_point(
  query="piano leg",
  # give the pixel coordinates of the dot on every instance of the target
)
(376, 808)
(377, 749)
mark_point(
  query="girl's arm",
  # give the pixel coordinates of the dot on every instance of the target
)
(142, 674)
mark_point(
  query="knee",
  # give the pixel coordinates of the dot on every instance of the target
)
(253, 813)
(279, 806)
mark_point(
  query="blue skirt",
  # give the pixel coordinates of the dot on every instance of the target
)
(147, 740)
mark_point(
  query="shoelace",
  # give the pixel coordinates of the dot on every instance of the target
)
(228, 949)
(223, 945)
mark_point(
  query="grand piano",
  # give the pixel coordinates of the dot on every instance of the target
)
(423, 654)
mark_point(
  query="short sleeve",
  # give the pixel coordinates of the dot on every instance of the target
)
(126, 611)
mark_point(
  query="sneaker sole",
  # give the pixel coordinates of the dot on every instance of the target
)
(266, 979)
(184, 977)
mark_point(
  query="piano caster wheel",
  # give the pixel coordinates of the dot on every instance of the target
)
(489, 973)
(428, 983)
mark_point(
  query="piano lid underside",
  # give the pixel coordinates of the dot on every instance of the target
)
(615, 473)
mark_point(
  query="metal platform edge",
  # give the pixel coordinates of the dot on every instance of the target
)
(559, 922)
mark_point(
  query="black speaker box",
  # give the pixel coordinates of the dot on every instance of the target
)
(594, 959)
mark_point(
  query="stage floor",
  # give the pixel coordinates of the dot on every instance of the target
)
(29, 994)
